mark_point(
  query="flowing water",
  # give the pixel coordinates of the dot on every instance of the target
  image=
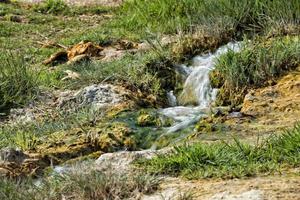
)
(197, 95)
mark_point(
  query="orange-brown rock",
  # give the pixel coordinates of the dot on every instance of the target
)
(87, 48)
(278, 99)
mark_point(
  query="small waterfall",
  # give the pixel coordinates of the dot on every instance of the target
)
(197, 94)
(172, 100)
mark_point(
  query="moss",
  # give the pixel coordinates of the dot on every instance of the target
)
(146, 120)
(114, 137)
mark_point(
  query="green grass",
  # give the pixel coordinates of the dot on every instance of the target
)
(18, 83)
(80, 186)
(230, 160)
(51, 7)
(259, 61)
(169, 16)
(27, 136)
(139, 71)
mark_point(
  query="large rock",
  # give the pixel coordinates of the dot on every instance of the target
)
(96, 96)
(121, 161)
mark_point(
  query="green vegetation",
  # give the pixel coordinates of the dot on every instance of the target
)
(258, 62)
(18, 83)
(133, 70)
(32, 33)
(170, 16)
(81, 186)
(230, 160)
(52, 7)
(27, 136)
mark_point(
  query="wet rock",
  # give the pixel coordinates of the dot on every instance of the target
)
(146, 119)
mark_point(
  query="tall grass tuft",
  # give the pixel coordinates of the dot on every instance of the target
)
(18, 83)
(52, 7)
(80, 186)
(259, 61)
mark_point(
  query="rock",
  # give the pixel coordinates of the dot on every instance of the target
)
(10, 155)
(70, 75)
(168, 193)
(221, 111)
(97, 97)
(84, 48)
(78, 53)
(15, 163)
(121, 161)
(275, 99)
(249, 195)
(14, 18)
(112, 54)
(147, 120)
(235, 115)
(22, 115)
(113, 137)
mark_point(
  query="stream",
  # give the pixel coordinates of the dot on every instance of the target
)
(197, 95)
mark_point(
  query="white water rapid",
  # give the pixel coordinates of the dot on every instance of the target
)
(197, 94)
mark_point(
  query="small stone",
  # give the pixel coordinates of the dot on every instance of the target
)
(70, 75)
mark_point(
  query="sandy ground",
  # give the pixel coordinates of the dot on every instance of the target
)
(257, 188)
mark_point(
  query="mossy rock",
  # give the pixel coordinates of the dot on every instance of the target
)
(114, 137)
(147, 120)
(210, 125)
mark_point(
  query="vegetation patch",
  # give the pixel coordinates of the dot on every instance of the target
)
(259, 63)
(82, 186)
(230, 160)
(171, 16)
(18, 83)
